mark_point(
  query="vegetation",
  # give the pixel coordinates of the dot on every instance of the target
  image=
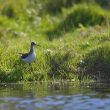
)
(73, 34)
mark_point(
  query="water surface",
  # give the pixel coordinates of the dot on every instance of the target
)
(54, 96)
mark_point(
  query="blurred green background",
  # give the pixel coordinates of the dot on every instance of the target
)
(74, 36)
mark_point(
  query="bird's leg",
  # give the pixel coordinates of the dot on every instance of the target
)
(30, 67)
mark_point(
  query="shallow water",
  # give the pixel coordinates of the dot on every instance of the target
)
(54, 96)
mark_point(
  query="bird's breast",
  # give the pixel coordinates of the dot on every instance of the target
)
(30, 58)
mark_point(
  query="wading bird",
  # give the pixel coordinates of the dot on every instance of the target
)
(30, 56)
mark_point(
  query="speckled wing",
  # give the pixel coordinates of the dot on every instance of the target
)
(24, 55)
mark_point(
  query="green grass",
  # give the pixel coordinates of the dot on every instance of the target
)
(77, 50)
(81, 14)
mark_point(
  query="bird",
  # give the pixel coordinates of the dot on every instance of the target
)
(31, 55)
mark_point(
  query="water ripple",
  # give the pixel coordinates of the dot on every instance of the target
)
(57, 102)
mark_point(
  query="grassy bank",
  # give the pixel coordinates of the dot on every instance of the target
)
(75, 42)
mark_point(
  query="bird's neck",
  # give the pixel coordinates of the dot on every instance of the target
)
(31, 49)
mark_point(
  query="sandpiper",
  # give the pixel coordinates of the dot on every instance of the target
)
(30, 56)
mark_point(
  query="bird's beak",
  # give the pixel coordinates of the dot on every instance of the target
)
(36, 44)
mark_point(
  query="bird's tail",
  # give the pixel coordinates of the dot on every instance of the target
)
(20, 53)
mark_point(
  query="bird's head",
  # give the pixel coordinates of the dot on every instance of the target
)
(34, 44)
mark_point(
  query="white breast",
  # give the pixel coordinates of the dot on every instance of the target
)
(30, 58)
